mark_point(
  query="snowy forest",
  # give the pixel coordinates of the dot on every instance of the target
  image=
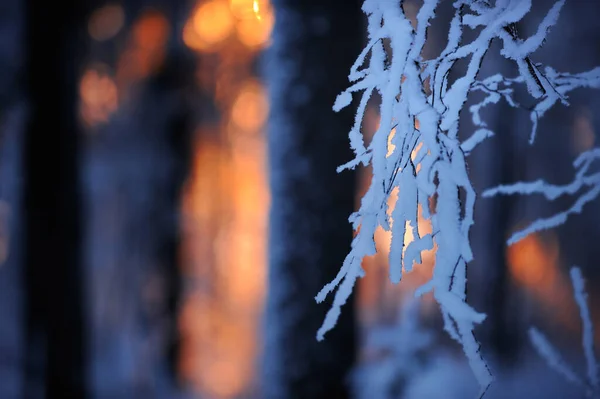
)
(299, 199)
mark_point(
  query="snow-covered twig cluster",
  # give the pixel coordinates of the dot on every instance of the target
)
(553, 358)
(416, 151)
(497, 87)
(405, 343)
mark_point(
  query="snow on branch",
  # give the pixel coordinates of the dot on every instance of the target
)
(553, 358)
(498, 87)
(417, 151)
(587, 327)
(585, 181)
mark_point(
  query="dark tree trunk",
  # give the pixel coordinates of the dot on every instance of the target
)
(490, 288)
(137, 166)
(11, 139)
(174, 81)
(496, 161)
(11, 53)
(314, 45)
(54, 285)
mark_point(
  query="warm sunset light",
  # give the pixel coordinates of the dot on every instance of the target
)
(532, 262)
(378, 297)
(255, 32)
(250, 109)
(212, 22)
(227, 190)
(256, 9)
(236, 260)
(391, 146)
(235, 199)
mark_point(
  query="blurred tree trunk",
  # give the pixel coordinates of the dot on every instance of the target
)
(11, 141)
(11, 53)
(138, 164)
(490, 288)
(314, 45)
(173, 81)
(54, 284)
(496, 161)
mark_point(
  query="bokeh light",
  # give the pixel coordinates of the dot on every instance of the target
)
(106, 22)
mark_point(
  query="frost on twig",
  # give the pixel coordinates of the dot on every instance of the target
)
(587, 327)
(417, 151)
(585, 181)
(553, 358)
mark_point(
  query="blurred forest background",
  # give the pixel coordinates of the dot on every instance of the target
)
(169, 207)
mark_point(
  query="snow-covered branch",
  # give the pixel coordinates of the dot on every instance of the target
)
(497, 87)
(585, 181)
(553, 358)
(416, 151)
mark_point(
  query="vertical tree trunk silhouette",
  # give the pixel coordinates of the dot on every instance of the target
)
(314, 45)
(137, 166)
(11, 138)
(54, 282)
(171, 83)
(490, 286)
(490, 289)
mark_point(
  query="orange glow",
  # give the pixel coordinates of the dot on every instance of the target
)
(215, 20)
(256, 9)
(151, 31)
(150, 34)
(391, 146)
(217, 355)
(212, 23)
(383, 239)
(255, 32)
(250, 108)
(378, 297)
(242, 9)
(533, 263)
(98, 96)
(248, 9)
(221, 331)
(191, 38)
(106, 22)
(226, 203)
(202, 208)
(228, 198)
(145, 51)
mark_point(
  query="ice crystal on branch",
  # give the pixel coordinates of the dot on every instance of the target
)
(416, 150)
